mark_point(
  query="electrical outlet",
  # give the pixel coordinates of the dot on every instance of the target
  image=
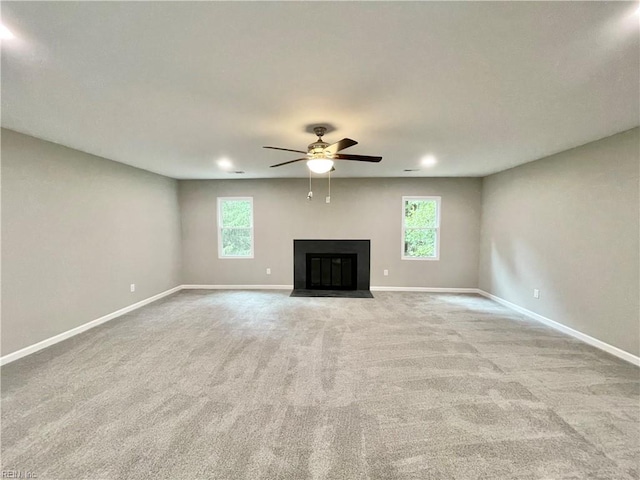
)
(386, 273)
(132, 287)
(268, 271)
(327, 199)
(536, 293)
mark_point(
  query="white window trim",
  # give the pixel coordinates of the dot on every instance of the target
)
(437, 227)
(219, 228)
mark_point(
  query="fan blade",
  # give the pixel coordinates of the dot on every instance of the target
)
(290, 161)
(285, 149)
(340, 145)
(359, 158)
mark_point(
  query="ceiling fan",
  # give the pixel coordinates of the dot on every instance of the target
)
(320, 155)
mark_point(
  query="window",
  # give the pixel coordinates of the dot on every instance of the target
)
(420, 228)
(235, 227)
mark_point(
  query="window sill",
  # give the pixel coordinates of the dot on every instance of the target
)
(421, 258)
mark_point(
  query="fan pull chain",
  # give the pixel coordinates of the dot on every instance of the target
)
(310, 194)
(328, 199)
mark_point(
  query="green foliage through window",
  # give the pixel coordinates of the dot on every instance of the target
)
(236, 227)
(420, 228)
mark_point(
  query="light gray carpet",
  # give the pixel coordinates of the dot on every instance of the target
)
(259, 385)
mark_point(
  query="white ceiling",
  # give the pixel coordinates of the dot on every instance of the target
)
(173, 87)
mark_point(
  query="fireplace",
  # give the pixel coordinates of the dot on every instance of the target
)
(331, 265)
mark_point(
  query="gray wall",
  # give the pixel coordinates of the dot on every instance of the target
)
(77, 230)
(359, 209)
(569, 226)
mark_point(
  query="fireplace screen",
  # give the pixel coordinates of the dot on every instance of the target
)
(330, 271)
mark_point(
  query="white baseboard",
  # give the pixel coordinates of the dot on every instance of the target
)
(82, 328)
(568, 330)
(423, 289)
(237, 287)
(290, 287)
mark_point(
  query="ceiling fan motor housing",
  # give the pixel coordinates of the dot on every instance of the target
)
(317, 148)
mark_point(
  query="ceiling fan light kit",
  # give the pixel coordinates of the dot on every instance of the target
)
(320, 165)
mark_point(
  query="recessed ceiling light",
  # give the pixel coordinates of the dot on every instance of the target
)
(224, 163)
(5, 33)
(428, 161)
